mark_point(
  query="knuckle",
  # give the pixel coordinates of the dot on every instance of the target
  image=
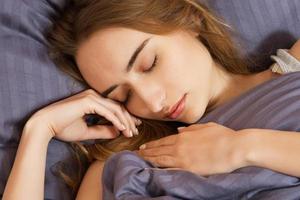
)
(113, 102)
(89, 96)
(211, 123)
(90, 91)
(88, 100)
(117, 109)
(115, 112)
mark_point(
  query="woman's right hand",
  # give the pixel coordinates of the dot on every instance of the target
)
(64, 119)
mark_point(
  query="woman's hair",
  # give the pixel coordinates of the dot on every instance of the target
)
(81, 18)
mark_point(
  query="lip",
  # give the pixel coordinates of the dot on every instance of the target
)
(177, 109)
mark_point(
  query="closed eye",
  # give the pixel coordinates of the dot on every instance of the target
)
(154, 64)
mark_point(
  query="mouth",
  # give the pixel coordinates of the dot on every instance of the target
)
(178, 108)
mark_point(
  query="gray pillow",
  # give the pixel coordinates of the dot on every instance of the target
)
(262, 25)
(29, 80)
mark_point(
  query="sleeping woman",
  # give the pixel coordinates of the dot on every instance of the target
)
(154, 68)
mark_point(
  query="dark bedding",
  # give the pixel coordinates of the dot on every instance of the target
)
(274, 104)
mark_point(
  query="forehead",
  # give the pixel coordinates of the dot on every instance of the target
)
(107, 52)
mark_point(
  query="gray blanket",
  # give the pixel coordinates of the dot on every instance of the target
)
(274, 104)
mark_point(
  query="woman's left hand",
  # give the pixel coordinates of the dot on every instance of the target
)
(203, 149)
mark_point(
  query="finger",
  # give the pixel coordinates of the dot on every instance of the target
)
(114, 109)
(101, 132)
(131, 122)
(164, 150)
(162, 161)
(126, 120)
(105, 112)
(73, 110)
(137, 120)
(168, 140)
(119, 112)
(120, 108)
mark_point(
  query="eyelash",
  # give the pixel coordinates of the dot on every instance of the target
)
(146, 71)
(153, 65)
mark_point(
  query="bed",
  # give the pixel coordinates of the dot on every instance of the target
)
(29, 80)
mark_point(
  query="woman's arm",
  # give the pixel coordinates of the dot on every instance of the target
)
(274, 149)
(26, 180)
(63, 120)
(91, 185)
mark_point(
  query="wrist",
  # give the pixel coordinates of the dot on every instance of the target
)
(247, 150)
(35, 128)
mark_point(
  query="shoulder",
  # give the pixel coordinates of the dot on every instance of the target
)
(295, 50)
(91, 187)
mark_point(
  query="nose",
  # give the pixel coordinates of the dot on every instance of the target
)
(152, 95)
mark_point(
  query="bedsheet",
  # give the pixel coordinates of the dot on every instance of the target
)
(273, 104)
(29, 80)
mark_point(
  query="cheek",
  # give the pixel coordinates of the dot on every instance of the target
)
(136, 107)
(137, 110)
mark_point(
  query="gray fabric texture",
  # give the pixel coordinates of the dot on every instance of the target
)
(271, 105)
(263, 26)
(30, 81)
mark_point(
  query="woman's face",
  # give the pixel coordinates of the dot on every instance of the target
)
(123, 59)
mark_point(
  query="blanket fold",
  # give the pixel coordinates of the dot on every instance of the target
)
(274, 104)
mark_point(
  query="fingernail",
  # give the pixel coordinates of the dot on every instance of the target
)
(136, 131)
(143, 146)
(139, 122)
(130, 133)
(123, 127)
(133, 132)
(178, 128)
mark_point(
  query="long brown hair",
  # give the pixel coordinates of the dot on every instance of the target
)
(81, 18)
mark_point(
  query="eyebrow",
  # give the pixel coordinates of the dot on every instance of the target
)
(129, 66)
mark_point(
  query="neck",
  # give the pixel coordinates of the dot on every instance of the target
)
(229, 86)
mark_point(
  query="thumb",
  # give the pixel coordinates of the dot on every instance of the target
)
(102, 132)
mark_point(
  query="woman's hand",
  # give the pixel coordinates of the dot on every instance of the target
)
(64, 119)
(203, 149)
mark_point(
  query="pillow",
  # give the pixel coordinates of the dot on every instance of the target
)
(263, 26)
(29, 80)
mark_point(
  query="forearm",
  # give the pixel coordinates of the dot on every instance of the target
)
(273, 149)
(26, 180)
